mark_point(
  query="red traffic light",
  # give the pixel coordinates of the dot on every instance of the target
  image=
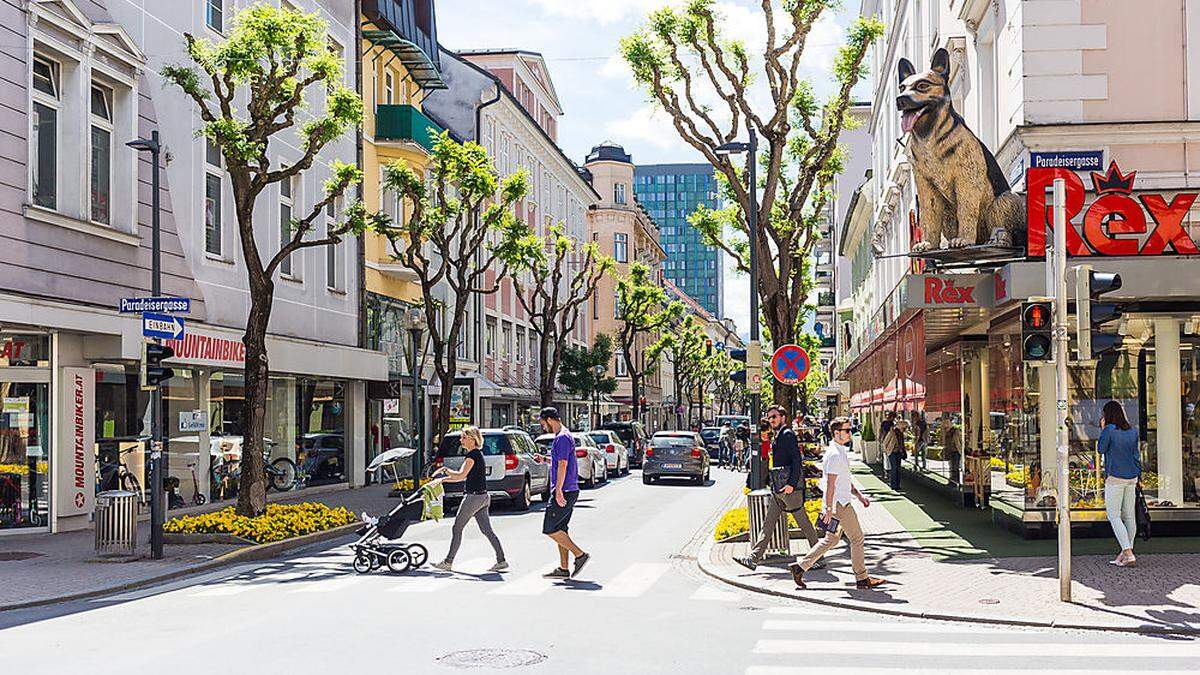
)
(1036, 315)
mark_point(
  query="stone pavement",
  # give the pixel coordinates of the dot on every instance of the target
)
(1162, 594)
(40, 568)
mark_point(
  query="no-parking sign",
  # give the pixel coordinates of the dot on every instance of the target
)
(790, 364)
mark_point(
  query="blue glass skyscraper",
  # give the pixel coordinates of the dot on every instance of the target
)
(670, 193)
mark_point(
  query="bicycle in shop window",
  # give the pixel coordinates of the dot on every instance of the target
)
(115, 475)
(225, 470)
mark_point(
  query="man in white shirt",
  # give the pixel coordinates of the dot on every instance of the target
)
(839, 503)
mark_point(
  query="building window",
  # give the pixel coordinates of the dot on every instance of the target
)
(619, 193)
(214, 14)
(621, 247)
(334, 265)
(619, 362)
(212, 199)
(389, 87)
(616, 304)
(520, 344)
(101, 138)
(44, 135)
(490, 337)
(285, 223)
(508, 338)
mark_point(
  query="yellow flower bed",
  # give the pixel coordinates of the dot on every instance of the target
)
(23, 469)
(1015, 478)
(998, 463)
(406, 485)
(281, 521)
(737, 521)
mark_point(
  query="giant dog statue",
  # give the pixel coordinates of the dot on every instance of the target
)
(961, 192)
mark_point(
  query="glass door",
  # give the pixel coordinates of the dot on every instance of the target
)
(24, 453)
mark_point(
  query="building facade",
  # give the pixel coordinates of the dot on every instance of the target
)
(77, 225)
(670, 193)
(505, 100)
(1084, 91)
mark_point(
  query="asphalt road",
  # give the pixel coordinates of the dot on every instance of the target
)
(641, 606)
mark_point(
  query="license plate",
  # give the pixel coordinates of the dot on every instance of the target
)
(672, 466)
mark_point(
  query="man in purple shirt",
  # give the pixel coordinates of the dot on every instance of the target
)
(564, 477)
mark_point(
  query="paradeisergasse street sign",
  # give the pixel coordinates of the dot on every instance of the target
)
(160, 304)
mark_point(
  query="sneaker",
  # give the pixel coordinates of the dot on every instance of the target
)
(557, 573)
(869, 583)
(746, 562)
(498, 567)
(580, 562)
(1128, 561)
(797, 575)
(444, 565)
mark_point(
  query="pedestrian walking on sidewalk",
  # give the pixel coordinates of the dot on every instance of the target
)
(786, 485)
(564, 477)
(895, 452)
(839, 516)
(475, 502)
(1122, 471)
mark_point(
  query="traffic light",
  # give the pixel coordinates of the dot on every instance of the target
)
(1090, 316)
(1036, 330)
(153, 371)
(738, 355)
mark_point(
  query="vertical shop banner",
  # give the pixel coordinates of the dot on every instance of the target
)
(75, 456)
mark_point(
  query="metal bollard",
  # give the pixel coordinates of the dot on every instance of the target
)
(116, 522)
(777, 542)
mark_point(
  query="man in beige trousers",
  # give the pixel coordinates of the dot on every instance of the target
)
(839, 503)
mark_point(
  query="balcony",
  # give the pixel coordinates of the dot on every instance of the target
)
(408, 29)
(825, 299)
(405, 123)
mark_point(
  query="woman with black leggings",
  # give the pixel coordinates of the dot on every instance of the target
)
(475, 502)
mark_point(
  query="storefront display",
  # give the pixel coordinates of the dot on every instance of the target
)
(25, 441)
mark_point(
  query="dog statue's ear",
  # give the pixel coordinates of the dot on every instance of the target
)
(905, 69)
(941, 63)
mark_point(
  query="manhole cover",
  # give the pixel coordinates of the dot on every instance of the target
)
(7, 556)
(491, 658)
(989, 601)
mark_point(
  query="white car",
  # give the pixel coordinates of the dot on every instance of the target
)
(593, 468)
(616, 454)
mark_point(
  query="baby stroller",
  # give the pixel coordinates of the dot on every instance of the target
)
(379, 538)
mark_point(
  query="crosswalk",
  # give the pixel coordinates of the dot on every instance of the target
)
(803, 640)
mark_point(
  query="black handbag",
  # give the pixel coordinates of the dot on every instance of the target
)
(779, 479)
(1142, 514)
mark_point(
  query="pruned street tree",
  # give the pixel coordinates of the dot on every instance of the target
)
(252, 92)
(710, 86)
(584, 371)
(460, 233)
(554, 277)
(644, 311)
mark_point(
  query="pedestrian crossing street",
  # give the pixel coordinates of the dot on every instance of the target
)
(809, 640)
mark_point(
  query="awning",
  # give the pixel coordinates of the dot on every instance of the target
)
(420, 67)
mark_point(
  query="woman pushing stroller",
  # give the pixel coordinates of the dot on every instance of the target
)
(476, 500)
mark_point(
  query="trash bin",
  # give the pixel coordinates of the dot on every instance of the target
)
(777, 542)
(116, 522)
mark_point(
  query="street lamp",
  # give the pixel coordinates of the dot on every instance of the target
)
(599, 371)
(414, 321)
(153, 147)
(751, 149)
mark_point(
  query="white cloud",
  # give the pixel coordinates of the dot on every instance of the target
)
(648, 125)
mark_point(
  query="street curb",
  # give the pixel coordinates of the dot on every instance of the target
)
(703, 560)
(244, 554)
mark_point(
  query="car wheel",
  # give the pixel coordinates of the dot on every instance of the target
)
(591, 481)
(646, 480)
(524, 497)
(547, 492)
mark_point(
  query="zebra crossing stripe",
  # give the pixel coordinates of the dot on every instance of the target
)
(707, 592)
(854, 643)
(633, 581)
(530, 584)
(820, 669)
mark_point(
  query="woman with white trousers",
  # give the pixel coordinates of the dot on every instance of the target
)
(1122, 470)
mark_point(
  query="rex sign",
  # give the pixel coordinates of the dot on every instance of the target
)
(933, 291)
(1115, 224)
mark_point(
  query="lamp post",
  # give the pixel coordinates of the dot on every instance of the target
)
(751, 149)
(153, 147)
(414, 320)
(599, 371)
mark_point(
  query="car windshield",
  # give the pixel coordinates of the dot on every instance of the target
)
(709, 434)
(624, 432)
(671, 442)
(493, 444)
(600, 438)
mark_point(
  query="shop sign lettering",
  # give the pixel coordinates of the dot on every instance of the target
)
(942, 291)
(954, 291)
(78, 435)
(196, 347)
(76, 473)
(1115, 224)
(11, 349)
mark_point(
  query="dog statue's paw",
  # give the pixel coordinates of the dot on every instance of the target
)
(1001, 238)
(958, 242)
(921, 247)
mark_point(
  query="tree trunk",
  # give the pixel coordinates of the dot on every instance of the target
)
(635, 389)
(546, 373)
(252, 485)
(781, 321)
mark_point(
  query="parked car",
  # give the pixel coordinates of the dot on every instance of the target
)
(712, 441)
(734, 421)
(593, 468)
(633, 435)
(322, 457)
(616, 454)
(676, 454)
(515, 467)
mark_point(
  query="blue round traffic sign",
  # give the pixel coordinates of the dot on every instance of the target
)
(790, 364)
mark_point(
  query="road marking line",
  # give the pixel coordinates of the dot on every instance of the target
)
(854, 643)
(634, 581)
(530, 584)
(710, 593)
(818, 624)
(475, 566)
(983, 667)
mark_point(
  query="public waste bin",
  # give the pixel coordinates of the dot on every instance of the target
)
(116, 522)
(777, 541)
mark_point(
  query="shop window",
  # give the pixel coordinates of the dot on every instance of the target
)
(102, 151)
(24, 454)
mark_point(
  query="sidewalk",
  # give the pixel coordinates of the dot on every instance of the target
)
(960, 574)
(43, 568)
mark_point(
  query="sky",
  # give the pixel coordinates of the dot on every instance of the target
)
(578, 39)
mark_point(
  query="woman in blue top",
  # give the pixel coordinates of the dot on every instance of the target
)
(1122, 469)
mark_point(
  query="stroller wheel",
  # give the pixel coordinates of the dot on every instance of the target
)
(417, 554)
(398, 561)
(363, 563)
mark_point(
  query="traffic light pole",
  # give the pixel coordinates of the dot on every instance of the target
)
(751, 230)
(1058, 261)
